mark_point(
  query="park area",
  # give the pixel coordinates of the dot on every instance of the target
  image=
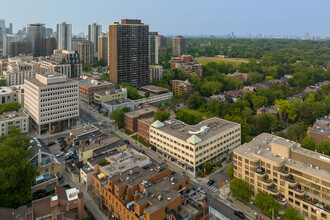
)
(205, 60)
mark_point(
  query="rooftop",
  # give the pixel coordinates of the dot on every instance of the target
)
(154, 89)
(6, 116)
(96, 143)
(5, 90)
(322, 125)
(110, 92)
(148, 121)
(141, 111)
(200, 132)
(261, 147)
(95, 160)
(86, 129)
(94, 83)
(118, 102)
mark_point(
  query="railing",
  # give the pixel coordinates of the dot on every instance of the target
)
(291, 180)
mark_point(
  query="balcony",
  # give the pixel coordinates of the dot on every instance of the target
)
(281, 200)
(260, 172)
(267, 181)
(272, 189)
(291, 182)
(298, 191)
(284, 172)
(315, 202)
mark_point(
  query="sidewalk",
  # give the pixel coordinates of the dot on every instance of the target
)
(249, 209)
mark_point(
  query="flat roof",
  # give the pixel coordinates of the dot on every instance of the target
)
(94, 83)
(111, 91)
(321, 126)
(118, 102)
(141, 111)
(154, 89)
(6, 116)
(104, 141)
(204, 130)
(40, 84)
(5, 90)
(148, 121)
(83, 130)
(261, 146)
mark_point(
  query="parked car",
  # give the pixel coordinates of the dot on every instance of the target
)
(60, 154)
(50, 143)
(239, 214)
(210, 182)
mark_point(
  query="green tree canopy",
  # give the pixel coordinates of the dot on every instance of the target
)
(147, 94)
(297, 132)
(118, 116)
(195, 101)
(132, 93)
(211, 88)
(230, 171)
(188, 117)
(287, 108)
(267, 203)
(324, 147)
(3, 82)
(240, 189)
(9, 106)
(259, 101)
(292, 214)
(161, 115)
(269, 94)
(308, 143)
(265, 123)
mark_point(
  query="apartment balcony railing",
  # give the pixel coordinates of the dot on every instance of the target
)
(281, 200)
(291, 182)
(259, 171)
(284, 172)
(273, 190)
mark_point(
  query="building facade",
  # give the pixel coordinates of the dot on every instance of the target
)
(35, 32)
(18, 119)
(102, 51)
(88, 88)
(18, 48)
(162, 45)
(191, 146)
(48, 45)
(294, 176)
(94, 31)
(7, 39)
(18, 72)
(6, 95)
(110, 95)
(144, 128)
(129, 53)
(187, 64)
(85, 50)
(179, 46)
(52, 102)
(153, 47)
(156, 72)
(64, 36)
(179, 86)
(131, 118)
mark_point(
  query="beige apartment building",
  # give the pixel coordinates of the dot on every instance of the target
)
(52, 102)
(110, 95)
(191, 146)
(17, 72)
(18, 119)
(293, 175)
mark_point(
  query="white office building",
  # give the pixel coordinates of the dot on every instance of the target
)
(17, 72)
(52, 102)
(6, 95)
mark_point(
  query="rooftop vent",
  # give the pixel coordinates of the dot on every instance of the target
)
(159, 197)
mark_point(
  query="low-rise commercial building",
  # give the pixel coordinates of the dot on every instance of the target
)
(108, 107)
(131, 118)
(89, 87)
(52, 102)
(293, 175)
(157, 95)
(66, 204)
(191, 146)
(320, 131)
(156, 72)
(18, 119)
(144, 128)
(179, 86)
(151, 192)
(110, 95)
(6, 95)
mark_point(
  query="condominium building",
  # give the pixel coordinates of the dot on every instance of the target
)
(162, 45)
(64, 36)
(94, 31)
(102, 52)
(191, 146)
(89, 87)
(18, 48)
(18, 119)
(179, 46)
(48, 45)
(110, 95)
(7, 39)
(156, 72)
(51, 101)
(320, 131)
(151, 192)
(153, 47)
(129, 53)
(293, 175)
(187, 64)
(6, 95)
(85, 49)
(17, 72)
(35, 32)
(179, 86)
(63, 61)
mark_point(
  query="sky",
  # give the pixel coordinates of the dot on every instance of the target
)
(173, 17)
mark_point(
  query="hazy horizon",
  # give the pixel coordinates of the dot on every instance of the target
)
(169, 17)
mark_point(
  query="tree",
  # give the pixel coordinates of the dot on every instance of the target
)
(132, 93)
(230, 171)
(240, 189)
(292, 214)
(118, 116)
(287, 108)
(297, 132)
(87, 67)
(147, 94)
(265, 123)
(308, 143)
(259, 101)
(161, 115)
(266, 203)
(310, 98)
(324, 147)
(188, 117)
(269, 94)
(195, 101)
(3, 82)
(102, 62)
(211, 88)
(14, 139)
(9, 106)
(16, 176)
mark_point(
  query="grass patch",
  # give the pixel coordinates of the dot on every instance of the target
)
(140, 140)
(235, 61)
(128, 132)
(194, 112)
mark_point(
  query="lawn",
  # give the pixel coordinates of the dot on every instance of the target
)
(195, 112)
(205, 60)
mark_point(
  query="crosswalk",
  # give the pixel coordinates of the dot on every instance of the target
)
(203, 183)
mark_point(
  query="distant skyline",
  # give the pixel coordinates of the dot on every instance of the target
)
(172, 17)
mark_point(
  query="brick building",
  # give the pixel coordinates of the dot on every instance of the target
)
(144, 127)
(320, 130)
(88, 88)
(187, 64)
(131, 118)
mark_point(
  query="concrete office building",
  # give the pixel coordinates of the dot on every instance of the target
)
(2, 28)
(18, 119)
(179, 46)
(7, 39)
(48, 45)
(153, 47)
(102, 51)
(18, 48)
(49, 32)
(17, 72)
(110, 95)
(64, 36)
(162, 45)
(89, 87)
(157, 95)
(293, 175)
(94, 31)
(35, 32)
(191, 146)
(156, 72)
(52, 102)
(129, 53)
(85, 49)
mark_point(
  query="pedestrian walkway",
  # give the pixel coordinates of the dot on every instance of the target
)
(203, 182)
